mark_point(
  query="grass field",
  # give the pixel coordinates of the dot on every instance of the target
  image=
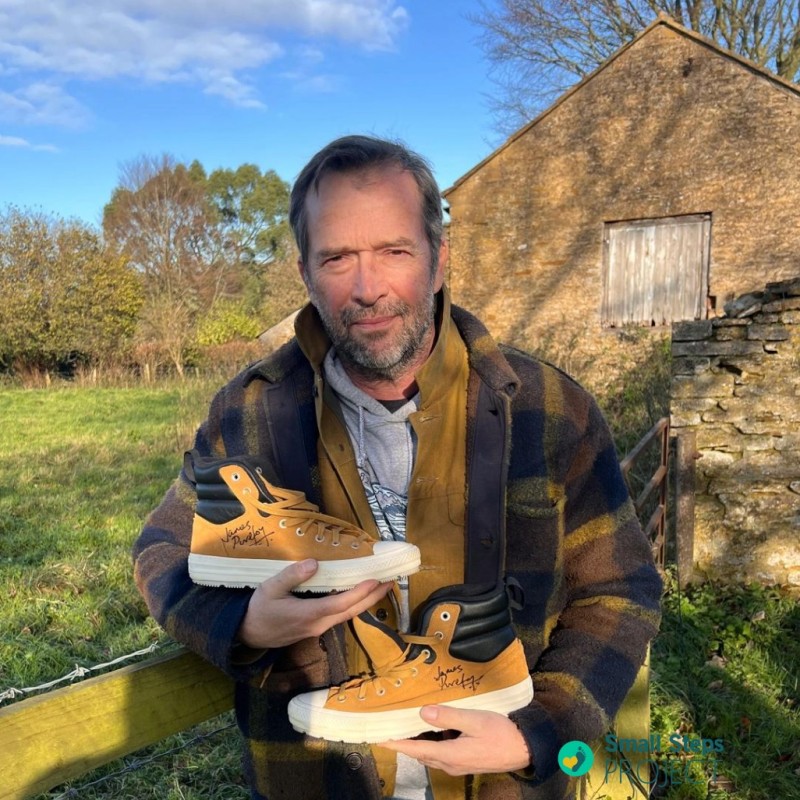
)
(81, 468)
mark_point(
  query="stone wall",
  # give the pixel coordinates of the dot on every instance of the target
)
(736, 383)
(670, 126)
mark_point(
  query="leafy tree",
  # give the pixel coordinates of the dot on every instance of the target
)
(160, 219)
(200, 241)
(252, 212)
(252, 215)
(64, 295)
(226, 322)
(97, 297)
(537, 48)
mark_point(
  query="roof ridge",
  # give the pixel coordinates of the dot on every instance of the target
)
(662, 19)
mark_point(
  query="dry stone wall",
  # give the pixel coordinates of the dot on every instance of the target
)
(736, 383)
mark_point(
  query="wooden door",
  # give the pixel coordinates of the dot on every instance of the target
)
(656, 270)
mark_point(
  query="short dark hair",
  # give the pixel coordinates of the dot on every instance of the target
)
(357, 153)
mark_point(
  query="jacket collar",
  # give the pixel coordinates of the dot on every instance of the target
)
(485, 356)
(436, 373)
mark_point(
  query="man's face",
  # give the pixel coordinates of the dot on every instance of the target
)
(370, 271)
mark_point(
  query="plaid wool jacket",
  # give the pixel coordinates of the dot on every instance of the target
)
(574, 551)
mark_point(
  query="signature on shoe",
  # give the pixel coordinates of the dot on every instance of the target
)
(245, 535)
(455, 677)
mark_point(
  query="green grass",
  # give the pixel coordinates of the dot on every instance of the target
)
(726, 665)
(80, 469)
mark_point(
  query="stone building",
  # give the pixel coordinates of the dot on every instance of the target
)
(657, 189)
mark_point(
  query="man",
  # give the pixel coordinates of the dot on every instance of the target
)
(402, 396)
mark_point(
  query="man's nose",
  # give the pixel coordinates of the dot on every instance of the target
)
(370, 281)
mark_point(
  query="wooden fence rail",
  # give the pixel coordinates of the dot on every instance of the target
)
(54, 738)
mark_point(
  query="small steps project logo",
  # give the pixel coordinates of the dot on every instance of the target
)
(575, 758)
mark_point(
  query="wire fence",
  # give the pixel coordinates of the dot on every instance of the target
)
(81, 672)
(136, 764)
(132, 764)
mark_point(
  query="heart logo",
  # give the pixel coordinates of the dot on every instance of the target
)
(575, 758)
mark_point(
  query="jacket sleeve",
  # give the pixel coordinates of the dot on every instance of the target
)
(205, 619)
(602, 603)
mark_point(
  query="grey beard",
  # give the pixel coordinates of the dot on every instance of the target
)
(382, 364)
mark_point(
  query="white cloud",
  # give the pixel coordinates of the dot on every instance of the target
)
(304, 75)
(42, 104)
(212, 44)
(373, 24)
(16, 141)
(320, 83)
(227, 86)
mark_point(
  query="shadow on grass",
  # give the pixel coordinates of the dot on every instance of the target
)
(728, 667)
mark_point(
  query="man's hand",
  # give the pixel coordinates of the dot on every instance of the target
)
(276, 618)
(489, 742)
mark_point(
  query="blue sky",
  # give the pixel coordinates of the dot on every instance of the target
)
(87, 85)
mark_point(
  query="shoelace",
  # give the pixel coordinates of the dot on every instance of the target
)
(295, 498)
(393, 672)
(322, 529)
(295, 511)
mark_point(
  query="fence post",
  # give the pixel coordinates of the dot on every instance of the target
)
(685, 458)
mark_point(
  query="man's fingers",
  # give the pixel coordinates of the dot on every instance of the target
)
(290, 577)
(342, 606)
(467, 722)
(276, 617)
(363, 599)
(455, 719)
(489, 742)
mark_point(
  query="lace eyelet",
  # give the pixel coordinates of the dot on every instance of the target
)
(246, 490)
(319, 538)
(235, 476)
(439, 635)
(380, 692)
(414, 672)
(300, 532)
(398, 682)
(335, 544)
(282, 523)
(426, 653)
(354, 545)
(444, 616)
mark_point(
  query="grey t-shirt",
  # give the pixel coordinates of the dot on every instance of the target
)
(385, 447)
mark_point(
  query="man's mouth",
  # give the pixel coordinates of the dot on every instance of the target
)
(372, 323)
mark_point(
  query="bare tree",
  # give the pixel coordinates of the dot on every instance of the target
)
(163, 335)
(538, 48)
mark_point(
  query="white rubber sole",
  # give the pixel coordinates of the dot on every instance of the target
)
(390, 561)
(308, 715)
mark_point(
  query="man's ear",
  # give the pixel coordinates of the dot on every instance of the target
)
(301, 269)
(441, 264)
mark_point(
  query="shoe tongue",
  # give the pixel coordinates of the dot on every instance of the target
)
(380, 642)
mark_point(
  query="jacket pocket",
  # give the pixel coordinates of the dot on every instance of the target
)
(538, 510)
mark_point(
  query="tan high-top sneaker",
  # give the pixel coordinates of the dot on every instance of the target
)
(465, 655)
(246, 530)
